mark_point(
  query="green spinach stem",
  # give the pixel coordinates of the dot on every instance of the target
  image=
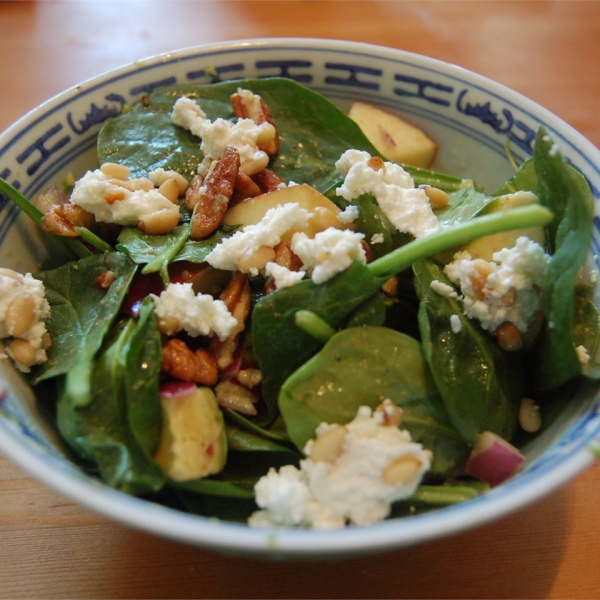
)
(457, 235)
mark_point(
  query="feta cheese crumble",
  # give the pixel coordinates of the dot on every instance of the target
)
(504, 289)
(179, 308)
(125, 203)
(282, 276)
(232, 252)
(443, 289)
(349, 214)
(377, 464)
(244, 135)
(406, 206)
(455, 324)
(23, 308)
(329, 252)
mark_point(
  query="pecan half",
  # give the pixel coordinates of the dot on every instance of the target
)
(245, 187)
(180, 362)
(63, 218)
(267, 181)
(210, 197)
(237, 297)
(285, 257)
(247, 105)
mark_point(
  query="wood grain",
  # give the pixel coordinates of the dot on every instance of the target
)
(51, 548)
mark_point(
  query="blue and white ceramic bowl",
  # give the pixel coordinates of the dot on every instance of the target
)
(471, 118)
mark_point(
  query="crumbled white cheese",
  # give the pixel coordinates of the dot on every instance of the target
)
(455, 324)
(14, 288)
(355, 488)
(329, 252)
(443, 289)
(127, 204)
(267, 232)
(282, 276)
(244, 135)
(196, 314)
(349, 214)
(406, 206)
(377, 238)
(507, 289)
(583, 355)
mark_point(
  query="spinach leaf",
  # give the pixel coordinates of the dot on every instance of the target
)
(240, 439)
(280, 346)
(567, 194)
(158, 251)
(144, 138)
(463, 205)
(371, 221)
(587, 333)
(525, 179)
(81, 314)
(143, 365)
(362, 366)
(97, 428)
(314, 131)
(481, 385)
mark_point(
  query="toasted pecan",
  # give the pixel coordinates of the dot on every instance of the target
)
(211, 199)
(182, 363)
(238, 298)
(247, 105)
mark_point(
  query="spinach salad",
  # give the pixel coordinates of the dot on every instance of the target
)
(391, 326)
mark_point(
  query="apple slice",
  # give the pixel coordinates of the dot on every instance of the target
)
(193, 443)
(252, 210)
(486, 246)
(393, 137)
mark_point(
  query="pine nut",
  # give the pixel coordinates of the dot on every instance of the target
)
(390, 287)
(160, 222)
(401, 470)
(258, 260)
(249, 377)
(10, 273)
(509, 338)
(168, 325)
(22, 352)
(392, 414)
(483, 270)
(20, 315)
(266, 134)
(46, 341)
(170, 190)
(115, 170)
(328, 446)
(141, 183)
(235, 397)
(509, 298)
(530, 418)
(437, 198)
(376, 163)
(113, 197)
(159, 177)
(180, 180)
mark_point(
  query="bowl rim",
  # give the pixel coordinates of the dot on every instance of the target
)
(288, 542)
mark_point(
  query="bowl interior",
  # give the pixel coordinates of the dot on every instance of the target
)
(473, 120)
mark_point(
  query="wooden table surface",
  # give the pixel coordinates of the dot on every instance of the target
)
(51, 548)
